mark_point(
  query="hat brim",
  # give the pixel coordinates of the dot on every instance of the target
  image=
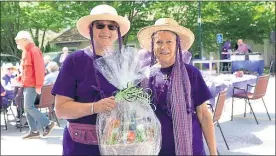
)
(186, 35)
(12, 67)
(84, 22)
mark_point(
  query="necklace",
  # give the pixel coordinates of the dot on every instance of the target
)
(166, 77)
(162, 91)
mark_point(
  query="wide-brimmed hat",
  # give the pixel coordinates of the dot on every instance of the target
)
(186, 35)
(9, 65)
(102, 12)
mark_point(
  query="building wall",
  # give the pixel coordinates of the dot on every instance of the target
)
(84, 44)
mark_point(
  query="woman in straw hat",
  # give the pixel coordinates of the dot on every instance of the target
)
(81, 91)
(179, 91)
(8, 80)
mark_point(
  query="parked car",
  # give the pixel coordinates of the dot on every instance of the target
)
(7, 58)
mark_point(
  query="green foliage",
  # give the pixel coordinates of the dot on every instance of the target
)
(246, 20)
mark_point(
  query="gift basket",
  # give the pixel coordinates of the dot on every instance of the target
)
(132, 127)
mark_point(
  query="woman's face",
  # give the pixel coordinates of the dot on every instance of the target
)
(9, 71)
(105, 33)
(165, 48)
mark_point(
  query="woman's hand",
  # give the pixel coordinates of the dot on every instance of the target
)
(104, 105)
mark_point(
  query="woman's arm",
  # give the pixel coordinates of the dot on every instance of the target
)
(206, 121)
(67, 108)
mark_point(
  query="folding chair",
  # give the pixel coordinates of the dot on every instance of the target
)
(272, 68)
(19, 103)
(47, 100)
(259, 93)
(218, 112)
(5, 105)
(4, 111)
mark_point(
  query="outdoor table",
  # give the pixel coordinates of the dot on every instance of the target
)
(218, 83)
(250, 65)
(210, 63)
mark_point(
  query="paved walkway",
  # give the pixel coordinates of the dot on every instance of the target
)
(243, 135)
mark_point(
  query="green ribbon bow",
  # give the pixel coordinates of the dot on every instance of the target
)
(133, 93)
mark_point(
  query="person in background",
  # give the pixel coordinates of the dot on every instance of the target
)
(3, 93)
(242, 47)
(8, 77)
(63, 55)
(53, 71)
(46, 59)
(8, 81)
(226, 49)
(33, 73)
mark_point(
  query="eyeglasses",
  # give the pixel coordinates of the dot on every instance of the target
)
(102, 26)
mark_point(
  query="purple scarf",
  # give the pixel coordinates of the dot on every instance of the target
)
(179, 101)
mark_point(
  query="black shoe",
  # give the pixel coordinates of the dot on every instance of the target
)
(49, 128)
(31, 135)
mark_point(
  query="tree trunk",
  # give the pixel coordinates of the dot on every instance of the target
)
(36, 39)
(42, 41)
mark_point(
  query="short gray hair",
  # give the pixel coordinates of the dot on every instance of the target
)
(65, 48)
(52, 67)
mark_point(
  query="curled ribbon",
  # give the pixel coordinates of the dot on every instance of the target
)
(133, 93)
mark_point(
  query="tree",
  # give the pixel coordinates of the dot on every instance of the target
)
(43, 16)
(246, 20)
(10, 25)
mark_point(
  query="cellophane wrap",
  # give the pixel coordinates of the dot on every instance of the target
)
(132, 128)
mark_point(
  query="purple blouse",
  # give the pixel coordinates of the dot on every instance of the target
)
(8, 78)
(200, 93)
(77, 81)
(2, 89)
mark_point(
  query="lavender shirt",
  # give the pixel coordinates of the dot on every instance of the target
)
(200, 93)
(7, 79)
(243, 48)
(77, 81)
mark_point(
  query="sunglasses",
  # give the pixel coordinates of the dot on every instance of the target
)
(102, 26)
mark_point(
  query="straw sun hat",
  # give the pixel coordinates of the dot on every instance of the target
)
(186, 35)
(102, 12)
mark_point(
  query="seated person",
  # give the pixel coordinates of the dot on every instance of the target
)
(53, 70)
(3, 93)
(46, 59)
(50, 78)
(7, 82)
